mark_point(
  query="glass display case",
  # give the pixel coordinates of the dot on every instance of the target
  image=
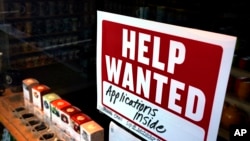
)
(54, 41)
(53, 35)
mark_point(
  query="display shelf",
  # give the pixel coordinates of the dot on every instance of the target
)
(224, 134)
(33, 49)
(232, 99)
(46, 25)
(239, 72)
(41, 17)
(244, 105)
(25, 129)
(13, 124)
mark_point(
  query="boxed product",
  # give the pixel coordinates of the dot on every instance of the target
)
(66, 114)
(37, 93)
(27, 84)
(91, 131)
(47, 99)
(76, 121)
(55, 108)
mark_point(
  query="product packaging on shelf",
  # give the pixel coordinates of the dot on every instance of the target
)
(76, 121)
(37, 93)
(47, 99)
(27, 94)
(55, 115)
(56, 107)
(91, 131)
(66, 114)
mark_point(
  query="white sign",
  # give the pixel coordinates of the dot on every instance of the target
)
(161, 81)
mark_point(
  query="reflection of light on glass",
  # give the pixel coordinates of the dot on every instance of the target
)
(1, 61)
(9, 12)
(66, 44)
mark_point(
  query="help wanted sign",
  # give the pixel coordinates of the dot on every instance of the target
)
(162, 82)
